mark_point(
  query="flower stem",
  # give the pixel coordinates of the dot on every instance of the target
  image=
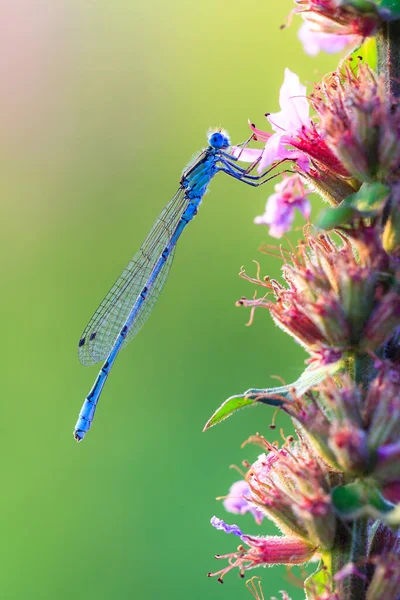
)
(388, 56)
(351, 547)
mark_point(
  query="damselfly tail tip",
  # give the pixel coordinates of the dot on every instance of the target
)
(79, 435)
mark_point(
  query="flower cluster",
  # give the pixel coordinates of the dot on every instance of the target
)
(334, 492)
(290, 485)
(299, 139)
(341, 301)
(353, 138)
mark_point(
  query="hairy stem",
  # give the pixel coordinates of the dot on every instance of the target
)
(388, 55)
(351, 540)
(351, 547)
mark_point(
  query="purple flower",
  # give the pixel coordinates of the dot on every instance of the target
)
(290, 194)
(236, 502)
(220, 524)
(315, 41)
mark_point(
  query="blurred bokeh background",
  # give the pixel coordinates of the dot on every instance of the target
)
(102, 105)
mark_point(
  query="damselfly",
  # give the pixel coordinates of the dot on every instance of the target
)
(132, 297)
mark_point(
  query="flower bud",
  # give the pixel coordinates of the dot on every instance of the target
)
(350, 446)
(391, 231)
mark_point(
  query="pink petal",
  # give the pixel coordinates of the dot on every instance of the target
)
(272, 151)
(304, 206)
(294, 105)
(278, 215)
(247, 155)
(262, 136)
(275, 150)
(314, 41)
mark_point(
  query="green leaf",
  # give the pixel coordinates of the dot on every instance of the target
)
(347, 500)
(276, 396)
(369, 198)
(359, 499)
(367, 52)
(361, 6)
(317, 583)
(366, 203)
(388, 9)
(332, 218)
(227, 408)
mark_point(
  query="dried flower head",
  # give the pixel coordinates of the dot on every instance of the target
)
(360, 122)
(291, 486)
(333, 300)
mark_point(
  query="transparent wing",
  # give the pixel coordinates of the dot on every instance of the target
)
(103, 328)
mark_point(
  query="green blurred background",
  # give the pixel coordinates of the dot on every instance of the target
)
(103, 104)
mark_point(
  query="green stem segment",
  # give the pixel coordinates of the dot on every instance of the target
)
(388, 56)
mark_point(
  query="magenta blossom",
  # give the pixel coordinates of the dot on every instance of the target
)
(236, 501)
(297, 138)
(262, 551)
(290, 194)
(315, 41)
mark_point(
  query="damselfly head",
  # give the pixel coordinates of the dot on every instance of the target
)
(218, 139)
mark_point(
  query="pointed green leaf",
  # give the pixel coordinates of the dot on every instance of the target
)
(276, 396)
(332, 218)
(227, 408)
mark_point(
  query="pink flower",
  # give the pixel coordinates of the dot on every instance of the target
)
(293, 117)
(290, 194)
(314, 40)
(296, 138)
